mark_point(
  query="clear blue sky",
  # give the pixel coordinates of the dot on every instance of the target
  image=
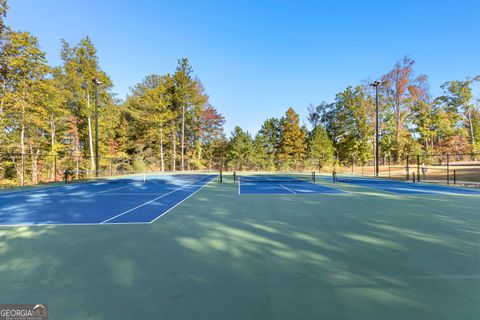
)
(257, 58)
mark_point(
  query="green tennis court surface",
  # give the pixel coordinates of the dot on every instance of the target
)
(361, 254)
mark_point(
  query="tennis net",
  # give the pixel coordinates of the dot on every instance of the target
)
(273, 177)
(361, 179)
(91, 176)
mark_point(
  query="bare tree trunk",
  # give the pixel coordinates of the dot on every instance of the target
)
(397, 136)
(22, 143)
(15, 164)
(76, 139)
(174, 151)
(161, 149)
(471, 130)
(34, 156)
(1, 105)
(183, 135)
(77, 167)
(52, 148)
(90, 137)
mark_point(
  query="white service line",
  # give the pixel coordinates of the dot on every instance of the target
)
(180, 202)
(287, 188)
(148, 202)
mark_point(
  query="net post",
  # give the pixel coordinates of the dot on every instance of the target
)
(454, 177)
(221, 176)
(234, 176)
(313, 176)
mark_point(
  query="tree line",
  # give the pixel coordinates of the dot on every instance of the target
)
(47, 114)
(342, 132)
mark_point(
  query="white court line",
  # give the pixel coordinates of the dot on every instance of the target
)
(427, 277)
(413, 277)
(110, 190)
(287, 188)
(47, 188)
(33, 189)
(164, 213)
(129, 194)
(64, 224)
(239, 186)
(422, 192)
(148, 202)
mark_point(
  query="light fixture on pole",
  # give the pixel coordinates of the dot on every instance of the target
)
(375, 84)
(97, 83)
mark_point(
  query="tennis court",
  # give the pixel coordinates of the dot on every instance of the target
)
(405, 187)
(358, 252)
(281, 183)
(130, 199)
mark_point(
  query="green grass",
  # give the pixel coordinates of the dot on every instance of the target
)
(218, 255)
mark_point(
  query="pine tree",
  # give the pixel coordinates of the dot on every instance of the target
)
(240, 150)
(292, 143)
(267, 141)
(320, 147)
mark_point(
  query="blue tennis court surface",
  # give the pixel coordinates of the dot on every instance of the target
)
(100, 202)
(286, 187)
(406, 187)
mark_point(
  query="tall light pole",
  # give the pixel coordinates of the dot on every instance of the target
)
(375, 84)
(97, 83)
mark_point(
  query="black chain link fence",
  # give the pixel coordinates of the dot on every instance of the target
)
(17, 169)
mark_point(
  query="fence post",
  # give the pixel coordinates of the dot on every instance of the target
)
(418, 167)
(454, 177)
(413, 177)
(389, 168)
(408, 169)
(448, 168)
